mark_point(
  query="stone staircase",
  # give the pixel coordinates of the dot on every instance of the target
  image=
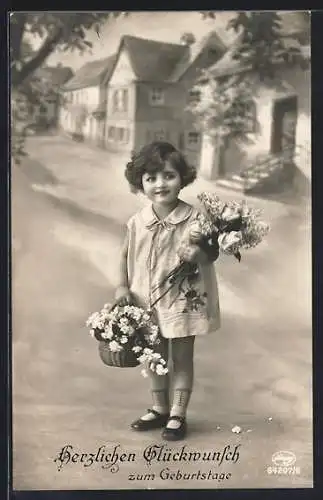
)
(265, 173)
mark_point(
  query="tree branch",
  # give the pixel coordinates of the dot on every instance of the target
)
(17, 28)
(47, 48)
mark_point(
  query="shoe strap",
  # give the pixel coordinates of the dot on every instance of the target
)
(176, 417)
(154, 412)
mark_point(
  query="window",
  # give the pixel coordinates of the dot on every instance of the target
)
(194, 95)
(120, 100)
(123, 135)
(118, 134)
(159, 135)
(115, 101)
(157, 97)
(212, 53)
(42, 108)
(111, 133)
(193, 138)
(124, 100)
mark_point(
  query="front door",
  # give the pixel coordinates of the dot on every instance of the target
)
(284, 124)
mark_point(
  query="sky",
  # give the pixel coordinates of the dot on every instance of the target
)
(164, 26)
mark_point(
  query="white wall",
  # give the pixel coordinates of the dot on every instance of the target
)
(123, 77)
(123, 72)
(241, 153)
(209, 164)
(88, 97)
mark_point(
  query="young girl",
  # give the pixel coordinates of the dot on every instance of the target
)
(154, 245)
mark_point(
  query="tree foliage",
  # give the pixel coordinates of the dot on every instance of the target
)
(261, 48)
(64, 31)
(226, 109)
(263, 44)
(208, 14)
(61, 31)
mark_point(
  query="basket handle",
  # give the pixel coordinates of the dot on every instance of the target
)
(116, 303)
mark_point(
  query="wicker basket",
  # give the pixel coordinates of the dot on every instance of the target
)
(121, 359)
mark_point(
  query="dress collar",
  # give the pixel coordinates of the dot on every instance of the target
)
(180, 213)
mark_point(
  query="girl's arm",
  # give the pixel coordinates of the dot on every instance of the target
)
(209, 251)
(122, 293)
(194, 253)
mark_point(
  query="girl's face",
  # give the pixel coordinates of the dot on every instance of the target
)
(162, 187)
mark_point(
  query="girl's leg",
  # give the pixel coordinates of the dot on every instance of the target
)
(159, 386)
(183, 373)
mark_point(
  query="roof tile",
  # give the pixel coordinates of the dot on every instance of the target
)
(58, 75)
(91, 74)
(152, 60)
(211, 40)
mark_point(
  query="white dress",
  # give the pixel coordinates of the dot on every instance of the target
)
(152, 254)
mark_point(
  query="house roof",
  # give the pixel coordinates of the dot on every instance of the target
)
(58, 75)
(209, 41)
(228, 65)
(91, 74)
(150, 59)
(153, 60)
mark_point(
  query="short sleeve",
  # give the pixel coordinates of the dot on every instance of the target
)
(130, 223)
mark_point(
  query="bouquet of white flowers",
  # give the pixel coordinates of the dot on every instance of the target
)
(232, 225)
(220, 227)
(127, 336)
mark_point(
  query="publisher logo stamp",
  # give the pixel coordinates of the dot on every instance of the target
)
(283, 463)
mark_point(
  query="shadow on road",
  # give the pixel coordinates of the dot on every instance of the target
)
(80, 214)
(37, 173)
(284, 195)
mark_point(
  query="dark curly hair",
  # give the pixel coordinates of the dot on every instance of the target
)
(152, 158)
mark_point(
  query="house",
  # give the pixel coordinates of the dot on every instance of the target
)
(282, 113)
(51, 77)
(83, 96)
(148, 89)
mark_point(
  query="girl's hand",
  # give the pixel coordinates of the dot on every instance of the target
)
(123, 296)
(195, 233)
(190, 253)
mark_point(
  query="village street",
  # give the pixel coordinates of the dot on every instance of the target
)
(69, 202)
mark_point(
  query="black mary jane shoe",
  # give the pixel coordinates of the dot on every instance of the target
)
(157, 422)
(177, 434)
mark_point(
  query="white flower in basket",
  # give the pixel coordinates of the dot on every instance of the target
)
(127, 337)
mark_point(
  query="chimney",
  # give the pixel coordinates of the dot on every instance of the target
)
(187, 39)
